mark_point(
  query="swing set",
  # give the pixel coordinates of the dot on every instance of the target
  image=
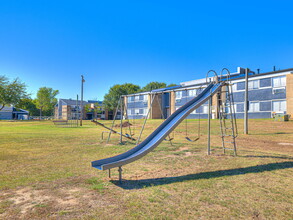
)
(122, 110)
(198, 126)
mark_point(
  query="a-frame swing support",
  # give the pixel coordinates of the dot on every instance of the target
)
(121, 134)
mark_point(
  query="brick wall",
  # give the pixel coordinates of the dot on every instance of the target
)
(156, 109)
(172, 102)
(66, 110)
(289, 94)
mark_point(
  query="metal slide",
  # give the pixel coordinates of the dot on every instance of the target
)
(154, 139)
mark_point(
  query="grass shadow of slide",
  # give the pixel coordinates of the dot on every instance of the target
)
(143, 183)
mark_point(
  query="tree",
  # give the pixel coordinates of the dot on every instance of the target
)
(46, 99)
(171, 85)
(153, 85)
(29, 105)
(112, 97)
(11, 92)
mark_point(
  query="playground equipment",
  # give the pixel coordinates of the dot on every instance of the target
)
(113, 131)
(229, 131)
(71, 119)
(281, 117)
(71, 122)
(123, 111)
(198, 128)
(153, 140)
(121, 105)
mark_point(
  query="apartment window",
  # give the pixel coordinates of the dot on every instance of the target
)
(279, 81)
(136, 98)
(234, 87)
(178, 94)
(253, 107)
(192, 92)
(234, 109)
(130, 98)
(254, 84)
(205, 109)
(279, 90)
(136, 111)
(279, 106)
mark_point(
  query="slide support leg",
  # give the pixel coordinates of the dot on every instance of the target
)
(120, 174)
(209, 124)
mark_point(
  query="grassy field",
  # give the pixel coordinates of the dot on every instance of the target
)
(46, 173)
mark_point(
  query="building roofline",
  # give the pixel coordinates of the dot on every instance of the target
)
(274, 72)
(242, 75)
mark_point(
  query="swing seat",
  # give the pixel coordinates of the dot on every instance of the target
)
(170, 139)
(187, 138)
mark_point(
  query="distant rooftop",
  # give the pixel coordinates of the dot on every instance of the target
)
(13, 109)
(73, 102)
(167, 88)
(240, 72)
(203, 80)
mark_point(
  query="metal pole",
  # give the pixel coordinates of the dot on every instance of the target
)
(162, 114)
(246, 102)
(116, 110)
(121, 121)
(138, 139)
(126, 115)
(76, 110)
(209, 124)
(81, 101)
(120, 174)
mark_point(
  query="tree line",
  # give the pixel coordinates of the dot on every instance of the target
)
(15, 93)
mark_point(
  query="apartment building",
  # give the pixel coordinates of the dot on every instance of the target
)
(268, 93)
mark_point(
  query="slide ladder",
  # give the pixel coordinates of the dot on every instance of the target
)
(227, 118)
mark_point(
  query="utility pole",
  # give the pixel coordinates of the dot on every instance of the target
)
(81, 101)
(246, 102)
(76, 110)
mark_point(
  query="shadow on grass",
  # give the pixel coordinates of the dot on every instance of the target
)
(273, 133)
(139, 184)
(277, 157)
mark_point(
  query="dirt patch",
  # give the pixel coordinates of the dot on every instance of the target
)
(286, 144)
(124, 124)
(182, 149)
(26, 199)
(50, 200)
(253, 143)
(187, 154)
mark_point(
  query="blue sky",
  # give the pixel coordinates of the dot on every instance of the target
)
(51, 43)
